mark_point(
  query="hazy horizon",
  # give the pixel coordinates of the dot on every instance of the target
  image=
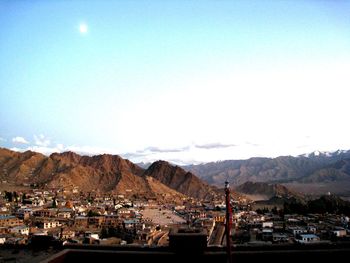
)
(182, 81)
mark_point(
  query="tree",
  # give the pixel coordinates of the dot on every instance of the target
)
(54, 203)
(24, 197)
(8, 196)
(15, 196)
(104, 233)
(92, 213)
(274, 210)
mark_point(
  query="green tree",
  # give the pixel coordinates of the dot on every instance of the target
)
(9, 196)
(92, 213)
(54, 203)
(15, 196)
(104, 233)
(24, 197)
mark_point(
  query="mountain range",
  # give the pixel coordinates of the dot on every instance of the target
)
(313, 173)
(102, 173)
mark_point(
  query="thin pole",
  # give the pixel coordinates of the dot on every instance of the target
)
(228, 222)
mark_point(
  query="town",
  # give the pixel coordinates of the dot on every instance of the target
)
(62, 216)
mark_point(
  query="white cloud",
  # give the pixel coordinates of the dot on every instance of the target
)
(41, 140)
(2, 139)
(210, 146)
(153, 149)
(19, 139)
(40, 149)
(44, 146)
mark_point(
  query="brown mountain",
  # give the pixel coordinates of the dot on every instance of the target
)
(103, 173)
(178, 179)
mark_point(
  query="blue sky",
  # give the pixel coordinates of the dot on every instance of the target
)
(184, 81)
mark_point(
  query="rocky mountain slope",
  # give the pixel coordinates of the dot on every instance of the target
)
(103, 173)
(177, 178)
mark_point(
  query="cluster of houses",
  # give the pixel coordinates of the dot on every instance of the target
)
(88, 218)
(291, 228)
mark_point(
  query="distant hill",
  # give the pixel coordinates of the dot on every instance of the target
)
(143, 165)
(338, 171)
(317, 167)
(325, 204)
(330, 204)
(265, 190)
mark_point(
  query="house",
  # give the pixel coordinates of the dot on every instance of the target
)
(96, 220)
(130, 224)
(267, 234)
(81, 221)
(65, 213)
(296, 230)
(2, 240)
(67, 234)
(280, 238)
(267, 224)
(307, 238)
(46, 224)
(125, 212)
(111, 221)
(89, 234)
(16, 241)
(311, 229)
(339, 232)
(45, 213)
(24, 213)
(3, 230)
(22, 230)
(9, 221)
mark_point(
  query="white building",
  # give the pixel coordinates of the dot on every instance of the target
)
(49, 224)
(2, 240)
(22, 230)
(307, 238)
(296, 230)
(267, 224)
(339, 232)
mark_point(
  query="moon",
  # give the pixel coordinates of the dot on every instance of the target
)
(83, 28)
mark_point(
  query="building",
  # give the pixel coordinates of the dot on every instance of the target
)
(111, 221)
(267, 224)
(9, 221)
(96, 221)
(22, 230)
(307, 238)
(280, 238)
(64, 213)
(296, 230)
(66, 234)
(339, 232)
(24, 214)
(81, 221)
(47, 224)
(45, 213)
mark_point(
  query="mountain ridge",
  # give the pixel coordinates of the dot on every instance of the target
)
(103, 173)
